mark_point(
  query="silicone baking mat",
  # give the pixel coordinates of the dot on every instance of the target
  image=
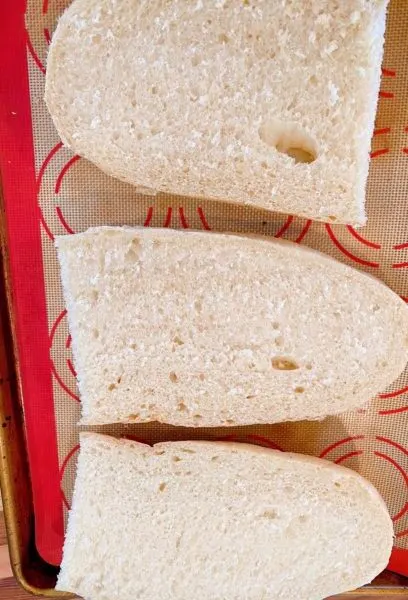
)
(49, 191)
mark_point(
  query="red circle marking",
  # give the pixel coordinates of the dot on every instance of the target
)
(47, 35)
(63, 172)
(55, 325)
(379, 152)
(384, 71)
(384, 94)
(44, 224)
(346, 252)
(167, 221)
(304, 231)
(401, 246)
(148, 217)
(45, 7)
(71, 367)
(264, 441)
(394, 464)
(53, 368)
(34, 54)
(284, 227)
(401, 265)
(402, 513)
(347, 456)
(203, 219)
(62, 220)
(402, 533)
(382, 131)
(62, 384)
(393, 411)
(340, 443)
(380, 438)
(394, 394)
(183, 220)
(361, 239)
(62, 471)
(44, 165)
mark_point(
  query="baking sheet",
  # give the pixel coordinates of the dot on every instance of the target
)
(60, 193)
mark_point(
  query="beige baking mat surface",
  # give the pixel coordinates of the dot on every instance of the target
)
(74, 195)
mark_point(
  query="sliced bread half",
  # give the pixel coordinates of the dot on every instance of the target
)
(261, 102)
(205, 329)
(212, 520)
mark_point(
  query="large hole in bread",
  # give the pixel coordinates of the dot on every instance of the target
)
(284, 363)
(290, 139)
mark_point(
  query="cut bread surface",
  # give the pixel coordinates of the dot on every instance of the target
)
(265, 103)
(205, 329)
(206, 520)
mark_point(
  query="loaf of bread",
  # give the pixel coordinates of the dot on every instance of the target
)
(264, 102)
(206, 329)
(217, 521)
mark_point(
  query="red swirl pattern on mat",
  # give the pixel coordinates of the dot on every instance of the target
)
(64, 373)
(250, 438)
(71, 454)
(40, 21)
(350, 254)
(400, 396)
(387, 450)
(55, 220)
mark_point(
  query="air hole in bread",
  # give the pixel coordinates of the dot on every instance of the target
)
(299, 389)
(282, 363)
(187, 450)
(201, 377)
(289, 139)
(337, 484)
(223, 38)
(162, 487)
(133, 417)
(309, 366)
(95, 333)
(214, 458)
(94, 295)
(279, 340)
(181, 407)
(111, 387)
(176, 459)
(270, 514)
(196, 60)
(173, 377)
(132, 252)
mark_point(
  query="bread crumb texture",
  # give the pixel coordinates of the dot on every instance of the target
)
(213, 521)
(261, 102)
(206, 329)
